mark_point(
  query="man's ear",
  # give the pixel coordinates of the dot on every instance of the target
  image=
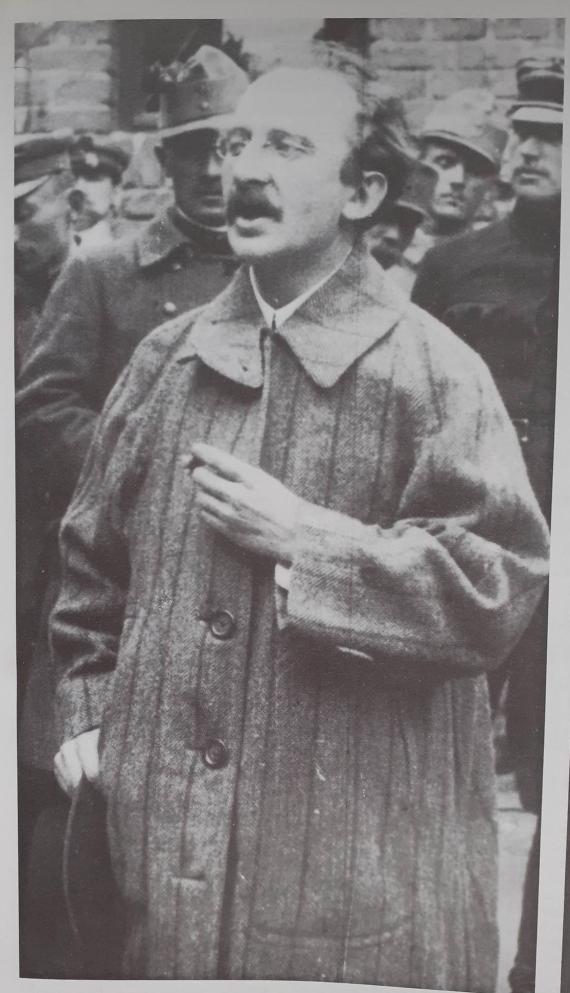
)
(367, 196)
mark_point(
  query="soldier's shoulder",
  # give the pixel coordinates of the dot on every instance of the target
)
(472, 243)
(161, 345)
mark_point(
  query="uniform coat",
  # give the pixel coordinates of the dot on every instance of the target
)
(311, 799)
(103, 304)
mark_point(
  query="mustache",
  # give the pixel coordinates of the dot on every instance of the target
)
(529, 169)
(250, 202)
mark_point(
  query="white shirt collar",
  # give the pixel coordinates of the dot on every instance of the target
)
(274, 318)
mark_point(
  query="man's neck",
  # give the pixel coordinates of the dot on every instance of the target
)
(281, 281)
(209, 239)
(446, 227)
(538, 220)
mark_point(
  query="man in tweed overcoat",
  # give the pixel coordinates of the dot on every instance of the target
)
(292, 556)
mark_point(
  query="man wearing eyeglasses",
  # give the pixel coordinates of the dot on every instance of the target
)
(288, 563)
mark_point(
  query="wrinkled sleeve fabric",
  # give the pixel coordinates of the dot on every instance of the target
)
(87, 620)
(453, 582)
(56, 405)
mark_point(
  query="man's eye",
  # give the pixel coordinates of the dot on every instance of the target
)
(287, 147)
(234, 145)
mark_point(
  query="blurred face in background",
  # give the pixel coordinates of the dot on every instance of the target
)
(536, 161)
(193, 163)
(42, 225)
(92, 199)
(462, 181)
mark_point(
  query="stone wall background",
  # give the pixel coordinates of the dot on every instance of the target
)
(69, 73)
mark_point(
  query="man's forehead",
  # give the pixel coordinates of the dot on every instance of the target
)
(295, 99)
(546, 132)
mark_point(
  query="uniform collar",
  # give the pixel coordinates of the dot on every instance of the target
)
(337, 324)
(159, 239)
(163, 236)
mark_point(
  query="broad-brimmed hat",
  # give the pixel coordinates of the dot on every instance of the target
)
(91, 157)
(200, 93)
(469, 119)
(540, 84)
(37, 156)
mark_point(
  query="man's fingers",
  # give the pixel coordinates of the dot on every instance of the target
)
(212, 505)
(62, 782)
(68, 767)
(222, 462)
(210, 482)
(87, 748)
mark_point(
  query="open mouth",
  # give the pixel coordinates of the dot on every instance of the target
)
(250, 207)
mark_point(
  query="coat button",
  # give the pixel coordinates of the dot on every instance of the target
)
(215, 754)
(170, 307)
(176, 266)
(222, 624)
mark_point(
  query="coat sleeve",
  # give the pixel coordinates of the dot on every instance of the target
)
(453, 582)
(428, 291)
(87, 620)
(56, 405)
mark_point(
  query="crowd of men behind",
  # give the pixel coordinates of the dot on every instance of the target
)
(469, 229)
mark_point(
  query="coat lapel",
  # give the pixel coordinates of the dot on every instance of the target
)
(357, 307)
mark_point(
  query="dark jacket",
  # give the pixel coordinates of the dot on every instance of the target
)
(104, 302)
(314, 801)
(498, 289)
(487, 286)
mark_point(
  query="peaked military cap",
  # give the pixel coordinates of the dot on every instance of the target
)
(93, 157)
(540, 84)
(37, 156)
(201, 92)
(469, 119)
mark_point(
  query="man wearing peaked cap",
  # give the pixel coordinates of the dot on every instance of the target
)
(98, 167)
(42, 177)
(463, 139)
(106, 300)
(498, 288)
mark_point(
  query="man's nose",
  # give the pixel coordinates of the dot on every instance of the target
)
(213, 164)
(250, 165)
(457, 175)
(529, 147)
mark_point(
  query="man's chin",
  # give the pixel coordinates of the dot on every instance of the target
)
(249, 240)
(448, 212)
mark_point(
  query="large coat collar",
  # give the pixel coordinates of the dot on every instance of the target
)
(328, 333)
(158, 239)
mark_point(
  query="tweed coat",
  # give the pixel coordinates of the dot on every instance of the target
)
(103, 304)
(309, 799)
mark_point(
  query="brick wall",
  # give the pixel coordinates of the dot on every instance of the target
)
(68, 72)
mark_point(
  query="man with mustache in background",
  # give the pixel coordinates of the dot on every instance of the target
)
(102, 305)
(288, 563)
(498, 289)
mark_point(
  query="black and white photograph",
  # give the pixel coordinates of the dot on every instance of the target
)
(286, 296)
